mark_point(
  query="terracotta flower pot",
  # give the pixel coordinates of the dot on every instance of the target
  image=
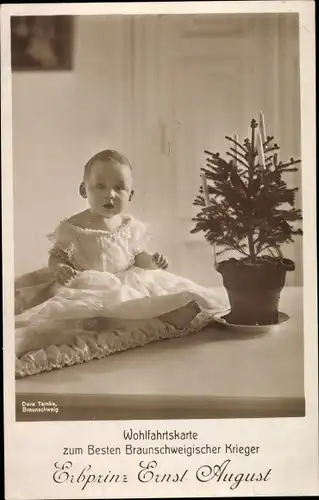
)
(254, 289)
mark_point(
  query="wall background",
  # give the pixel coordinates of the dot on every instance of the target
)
(160, 90)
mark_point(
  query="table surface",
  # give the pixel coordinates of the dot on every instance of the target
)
(214, 363)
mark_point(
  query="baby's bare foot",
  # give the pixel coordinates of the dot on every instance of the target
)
(179, 318)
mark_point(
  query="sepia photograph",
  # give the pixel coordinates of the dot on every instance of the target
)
(159, 246)
(158, 217)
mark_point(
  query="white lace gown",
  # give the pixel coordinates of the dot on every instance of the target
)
(108, 284)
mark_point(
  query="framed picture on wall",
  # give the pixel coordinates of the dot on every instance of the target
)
(41, 43)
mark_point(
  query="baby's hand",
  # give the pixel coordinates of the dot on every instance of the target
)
(160, 260)
(64, 274)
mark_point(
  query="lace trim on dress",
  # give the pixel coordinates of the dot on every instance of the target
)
(104, 232)
(64, 254)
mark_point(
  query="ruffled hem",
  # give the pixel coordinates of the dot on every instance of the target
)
(87, 347)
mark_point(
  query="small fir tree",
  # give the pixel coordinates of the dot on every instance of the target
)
(247, 198)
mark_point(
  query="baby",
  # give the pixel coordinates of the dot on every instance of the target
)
(107, 185)
(101, 263)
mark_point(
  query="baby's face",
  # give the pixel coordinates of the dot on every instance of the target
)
(108, 188)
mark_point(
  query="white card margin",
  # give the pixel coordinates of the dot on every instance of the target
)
(309, 426)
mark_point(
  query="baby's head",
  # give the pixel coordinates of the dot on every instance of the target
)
(107, 183)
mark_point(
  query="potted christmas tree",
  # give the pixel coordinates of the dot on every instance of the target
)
(247, 207)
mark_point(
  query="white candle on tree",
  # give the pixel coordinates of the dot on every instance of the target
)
(262, 127)
(205, 189)
(260, 149)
